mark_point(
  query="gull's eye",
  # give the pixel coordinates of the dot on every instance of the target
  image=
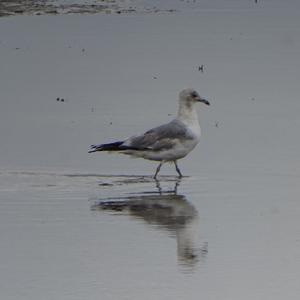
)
(194, 94)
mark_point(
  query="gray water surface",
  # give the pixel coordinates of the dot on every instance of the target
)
(79, 226)
(75, 236)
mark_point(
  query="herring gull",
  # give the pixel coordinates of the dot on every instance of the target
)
(168, 142)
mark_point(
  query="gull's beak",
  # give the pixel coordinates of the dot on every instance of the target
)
(203, 101)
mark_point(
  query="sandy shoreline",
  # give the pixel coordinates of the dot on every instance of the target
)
(44, 7)
(48, 7)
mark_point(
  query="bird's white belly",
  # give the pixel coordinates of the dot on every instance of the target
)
(180, 150)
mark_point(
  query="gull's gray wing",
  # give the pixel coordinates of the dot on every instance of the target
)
(160, 138)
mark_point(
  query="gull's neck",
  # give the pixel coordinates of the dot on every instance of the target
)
(187, 113)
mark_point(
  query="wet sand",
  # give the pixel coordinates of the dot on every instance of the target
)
(45, 7)
(63, 7)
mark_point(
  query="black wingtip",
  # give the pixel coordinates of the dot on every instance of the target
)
(93, 148)
(116, 146)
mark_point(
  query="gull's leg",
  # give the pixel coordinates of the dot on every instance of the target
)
(157, 170)
(176, 186)
(158, 186)
(177, 169)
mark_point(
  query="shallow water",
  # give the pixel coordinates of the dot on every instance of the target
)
(74, 236)
(80, 226)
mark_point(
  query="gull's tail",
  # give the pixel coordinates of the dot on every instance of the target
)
(116, 146)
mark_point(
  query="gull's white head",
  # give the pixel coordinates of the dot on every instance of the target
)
(190, 96)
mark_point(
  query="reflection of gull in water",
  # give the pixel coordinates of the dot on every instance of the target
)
(168, 142)
(167, 211)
